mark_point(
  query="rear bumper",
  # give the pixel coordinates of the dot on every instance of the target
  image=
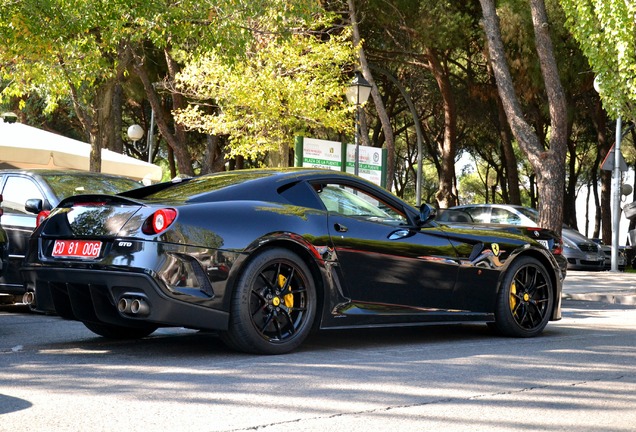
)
(93, 295)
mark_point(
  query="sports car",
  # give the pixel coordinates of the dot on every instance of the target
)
(263, 257)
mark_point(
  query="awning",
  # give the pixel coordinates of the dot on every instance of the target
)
(23, 146)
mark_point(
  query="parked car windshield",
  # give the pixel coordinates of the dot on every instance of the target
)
(530, 213)
(575, 235)
(66, 185)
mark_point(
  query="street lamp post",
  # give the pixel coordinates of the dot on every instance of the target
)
(616, 186)
(616, 191)
(135, 133)
(358, 93)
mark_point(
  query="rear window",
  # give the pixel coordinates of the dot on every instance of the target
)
(205, 184)
(65, 185)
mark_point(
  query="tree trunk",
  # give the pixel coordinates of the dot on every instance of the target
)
(445, 195)
(569, 208)
(177, 140)
(171, 165)
(184, 159)
(605, 209)
(533, 190)
(510, 160)
(548, 165)
(103, 135)
(213, 159)
(118, 143)
(377, 99)
(602, 204)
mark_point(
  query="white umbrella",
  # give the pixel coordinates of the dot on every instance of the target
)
(23, 146)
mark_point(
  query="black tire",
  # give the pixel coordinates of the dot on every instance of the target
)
(119, 332)
(525, 298)
(273, 304)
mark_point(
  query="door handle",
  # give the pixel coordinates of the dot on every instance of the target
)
(340, 228)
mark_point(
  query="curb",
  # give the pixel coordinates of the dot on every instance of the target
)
(619, 299)
(607, 287)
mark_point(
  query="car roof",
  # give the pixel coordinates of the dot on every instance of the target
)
(47, 172)
(516, 206)
(58, 184)
(265, 176)
(268, 184)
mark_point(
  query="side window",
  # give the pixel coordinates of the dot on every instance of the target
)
(479, 214)
(357, 203)
(504, 216)
(15, 193)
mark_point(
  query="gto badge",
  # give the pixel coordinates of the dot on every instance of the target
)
(124, 244)
(495, 249)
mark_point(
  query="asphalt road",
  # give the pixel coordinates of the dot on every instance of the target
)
(580, 375)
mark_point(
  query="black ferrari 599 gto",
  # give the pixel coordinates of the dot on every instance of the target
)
(265, 256)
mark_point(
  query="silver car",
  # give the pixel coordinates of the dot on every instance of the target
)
(581, 252)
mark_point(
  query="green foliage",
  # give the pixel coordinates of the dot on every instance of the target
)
(606, 32)
(59, 44)
(277, 79)
(285, 87)
(51, 45)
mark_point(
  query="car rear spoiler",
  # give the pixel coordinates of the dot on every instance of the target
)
(148, 190)
(98, 199)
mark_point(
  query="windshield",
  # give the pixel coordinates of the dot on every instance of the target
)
(530, 213)
(574, 235)
(66, 185)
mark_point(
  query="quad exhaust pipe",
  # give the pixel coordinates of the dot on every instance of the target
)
(139, 307)
(134, 306)
(123, 305)
(29, 298)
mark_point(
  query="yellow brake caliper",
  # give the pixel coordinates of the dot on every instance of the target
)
(288, 298)
(513, 297)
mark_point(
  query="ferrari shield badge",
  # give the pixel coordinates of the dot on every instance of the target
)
(495, 249)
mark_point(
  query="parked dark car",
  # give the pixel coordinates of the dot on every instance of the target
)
(607, 252)
(27, 194)
(265, 256)
(4, 261)
(579, 252)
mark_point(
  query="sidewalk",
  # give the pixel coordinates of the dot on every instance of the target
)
(601, 286)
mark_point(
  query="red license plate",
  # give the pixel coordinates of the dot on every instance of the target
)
(77, 248)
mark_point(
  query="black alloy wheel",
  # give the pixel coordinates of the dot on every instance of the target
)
(525, 299)
(274, 304)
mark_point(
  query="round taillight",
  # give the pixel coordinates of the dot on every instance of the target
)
(159, 221)
(41, 216)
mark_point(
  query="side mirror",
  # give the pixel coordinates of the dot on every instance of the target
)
(427, 213)
(34, 205)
